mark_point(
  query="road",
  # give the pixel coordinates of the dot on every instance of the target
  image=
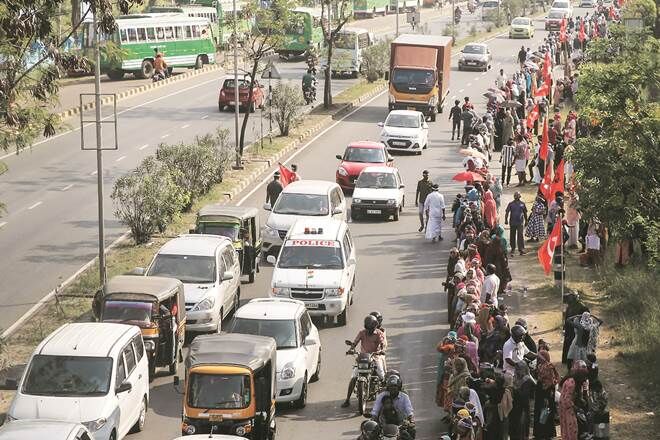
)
(399, 274)
(50, 228)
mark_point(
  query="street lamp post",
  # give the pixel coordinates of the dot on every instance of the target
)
(237, 102)
(99, 151)
(397, 18)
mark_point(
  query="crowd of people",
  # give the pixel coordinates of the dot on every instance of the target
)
(494, 380)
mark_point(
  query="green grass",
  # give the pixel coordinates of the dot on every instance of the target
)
(3, 167)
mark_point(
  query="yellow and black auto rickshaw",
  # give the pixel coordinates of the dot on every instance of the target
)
(241, 225)
(157, 306)
(230, 386)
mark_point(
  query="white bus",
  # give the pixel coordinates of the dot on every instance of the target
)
(347, 53)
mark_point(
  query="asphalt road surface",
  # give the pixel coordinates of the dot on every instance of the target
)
(399, 274)
(50, 228)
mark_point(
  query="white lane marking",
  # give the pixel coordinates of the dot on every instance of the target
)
(304, 147)
(67, 187)
(476, 78)
(120, 159)
(165, 136)
(185, 126)
(94, 173)
(34, 206)
(453, 97)
(143, 147)
(469, 84)
(484, 74)
(169, 95)
(204, 117)
(461, 91)
(2, 224)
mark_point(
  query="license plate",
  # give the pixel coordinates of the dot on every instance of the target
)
(311, 305)
(215, 418)
(232, 102)
(398, 143)
(374, 211)
(470, 62)
(412, 108)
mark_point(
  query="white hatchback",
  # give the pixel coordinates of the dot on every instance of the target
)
(297, 338)
(563, 6)
(44, 429)
(405, 130)
(378, 191)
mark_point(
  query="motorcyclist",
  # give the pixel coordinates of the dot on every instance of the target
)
(400, 402)
(369, 430)
(160, 66)
(308, 81)
(371, 340)
(379, 318)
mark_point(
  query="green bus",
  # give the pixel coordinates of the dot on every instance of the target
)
(303, 34)
(184, 41)
(369, 8)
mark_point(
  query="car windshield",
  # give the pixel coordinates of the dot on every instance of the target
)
(345, 41)
(229, 84)
(185, 268)
(301, 204)
(282, 330)
(366, 155)
(404, 121)
(413, 77)
(560, 5)
(219, 391)
(521, 21)
(68, 376)
(473, 48)
(376, 180)
(490, 4)
(230, 231)
(310, 254)
(128, 312)
(556, 14)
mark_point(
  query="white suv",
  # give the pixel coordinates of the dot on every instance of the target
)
(301, 199)
(298, 343)
(209, 269)
(96, 374)
(317, 265)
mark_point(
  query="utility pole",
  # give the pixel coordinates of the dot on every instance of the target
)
(237, 165)
(99, 150)
(453, 21)
(397, 18)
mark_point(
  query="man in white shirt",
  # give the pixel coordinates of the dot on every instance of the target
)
(434, 207)
(491, 286)
(501, 79)
(515, 350)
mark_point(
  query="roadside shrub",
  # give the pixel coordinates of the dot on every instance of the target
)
(376, 60)
(196, 166)
(446, 31)
(473, 30)
(286, 106)
(148, 198)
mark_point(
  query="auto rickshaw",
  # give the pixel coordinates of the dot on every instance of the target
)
(157, 306)
(230, 386)
(241, 225)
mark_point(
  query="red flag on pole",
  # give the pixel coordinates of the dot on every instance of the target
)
(547, 249)
(533, 116)
(547, 67)
(543, 151)
(558, 181)
(562, 31)
(542, 91)
(582, 35)
(286, 175)
(546, 184)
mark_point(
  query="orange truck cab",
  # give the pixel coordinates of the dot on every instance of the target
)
(419, 73)
(230, 386)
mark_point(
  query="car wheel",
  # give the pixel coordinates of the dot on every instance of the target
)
(342, 317)
(221, 107)
(403, 203)
(302, 400)
(219, 327)
(317, 374)
(152, 369)
(113, 436)
(395, 216)
(199, 62)
(139, 425)
(237, 301)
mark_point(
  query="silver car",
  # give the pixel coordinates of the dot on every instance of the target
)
(475, 56)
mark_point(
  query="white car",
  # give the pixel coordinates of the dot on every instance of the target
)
(587, 3)
(378, 191)
(564, 6)
(297, 338)
(209, 269)
(405, 130)
(316, 265)
(91, 373)
(301, 199)
(44, 429)
(209, 436)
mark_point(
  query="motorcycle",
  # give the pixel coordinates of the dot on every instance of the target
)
(160, 75)
(309, 93)
(405, 431)
(368, 383)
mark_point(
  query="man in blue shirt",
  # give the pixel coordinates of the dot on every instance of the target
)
(400, 401)
(516, 217)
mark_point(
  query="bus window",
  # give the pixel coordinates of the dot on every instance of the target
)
(160, 33)
(188, 32)
(142, 34)
(151, 34)
(178, 32)
(122, 34)
(363, 40)
(169, 33)
(195, 31)
(132, 35)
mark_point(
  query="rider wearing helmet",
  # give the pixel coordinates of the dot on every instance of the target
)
(371, 340)
(369, 430)
(380, 327)
(515, 349)
(399, 399)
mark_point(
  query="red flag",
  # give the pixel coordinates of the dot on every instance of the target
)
(582, 35)
(562, 31)
(286, 175)
(547, 67)
(542, 91)
(547, 249)
(546, 184)
(558, 181)
(533, 116)
(543, 151)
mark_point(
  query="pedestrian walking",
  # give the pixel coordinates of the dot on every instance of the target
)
(536, 224)
(424, 188)
(507, 127)
(506, 159)
(516, 217)
(467, 116)
(434, 208)
(521, 156)
(455, 117)
(274, 189)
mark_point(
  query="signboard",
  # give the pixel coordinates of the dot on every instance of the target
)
(271, 72)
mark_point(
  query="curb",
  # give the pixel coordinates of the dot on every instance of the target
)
(137, 90)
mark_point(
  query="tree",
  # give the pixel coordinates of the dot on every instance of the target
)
(334, 15)
(27, 30)
(376, 60)
(268, 34)
(617, 165)
(286, 105)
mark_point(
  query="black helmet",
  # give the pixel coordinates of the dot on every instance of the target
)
(378, 317)
(369, 429)
(393, 380)
(370, 322)
(517, 332)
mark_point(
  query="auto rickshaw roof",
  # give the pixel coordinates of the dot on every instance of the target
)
(218, 209)
(237, 349)
(160, 288)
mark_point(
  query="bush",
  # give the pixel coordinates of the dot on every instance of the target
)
(286, 106)
(446, 31)
(376, 60)
(197, 166)
(147, 199)
(473, 30)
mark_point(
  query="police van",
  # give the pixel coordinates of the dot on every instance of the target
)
(316, 265)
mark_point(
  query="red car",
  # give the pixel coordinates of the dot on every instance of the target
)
(553, 20)
(359, 155)
(227, 95)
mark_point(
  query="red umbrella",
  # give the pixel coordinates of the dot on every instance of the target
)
(468, 176)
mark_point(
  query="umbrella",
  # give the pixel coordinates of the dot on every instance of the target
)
(468, 176)
(497, 91)
(511, 104)
(532, 66)
(495, 96)
(472, 152)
